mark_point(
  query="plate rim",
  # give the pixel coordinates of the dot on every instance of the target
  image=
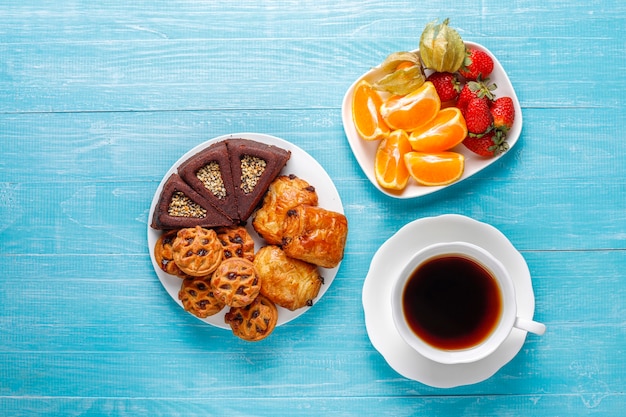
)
(331, 201)
(413, 190)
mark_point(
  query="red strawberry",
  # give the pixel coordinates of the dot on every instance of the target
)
(475, 89)
(446, 84)
(477, 116)
(477, 64)
(490, 144)
(503, 113)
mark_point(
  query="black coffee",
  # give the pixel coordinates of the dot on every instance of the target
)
(452, 302)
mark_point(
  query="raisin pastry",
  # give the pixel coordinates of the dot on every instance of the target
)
(197, 297)
(255, 321)
(235, 282)
(197, 251)
(283, 194)
(315, 235)
(288, 282)
(164, 256)
(236, 241)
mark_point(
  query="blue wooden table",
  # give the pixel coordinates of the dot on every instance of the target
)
(99, 99)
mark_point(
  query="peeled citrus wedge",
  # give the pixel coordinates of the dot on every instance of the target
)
(390, 169)
(439, 168)
(366, 112)
(444, 132)
(413, 110)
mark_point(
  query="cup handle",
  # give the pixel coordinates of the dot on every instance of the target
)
(530, 326)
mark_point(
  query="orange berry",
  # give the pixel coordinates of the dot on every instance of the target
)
(389, 166)
(439, 168)
(444, 132)
(412, 110)
(366, 104)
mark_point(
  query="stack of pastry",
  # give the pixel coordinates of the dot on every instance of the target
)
(220, 268)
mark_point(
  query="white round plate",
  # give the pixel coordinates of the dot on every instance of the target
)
(365, 151)
(300, 164)
(389, 260)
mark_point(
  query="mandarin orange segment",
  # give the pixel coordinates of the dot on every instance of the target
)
(444, 132)
(366, 104)
(439, 168)
(413, 110)
(389, 166)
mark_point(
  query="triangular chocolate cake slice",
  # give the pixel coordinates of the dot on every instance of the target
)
(180, 206)
(254, 166)
(208, 172)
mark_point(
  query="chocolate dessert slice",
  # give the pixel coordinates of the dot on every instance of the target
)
(180, 206)
(254, 166)
(208, 172)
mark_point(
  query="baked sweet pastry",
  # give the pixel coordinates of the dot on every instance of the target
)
(208, 172)
(197, 297)
(253, 322)
(283, 194)
(288, 282)
(236, 241)
(180, 206)
(164, 255)
(315, 235)
(197, 251)
(254, 166)
(235, 282)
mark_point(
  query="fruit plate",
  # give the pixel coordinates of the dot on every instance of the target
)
(365, 151)
(301, 164)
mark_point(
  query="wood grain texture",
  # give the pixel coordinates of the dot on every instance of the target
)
(99, 100)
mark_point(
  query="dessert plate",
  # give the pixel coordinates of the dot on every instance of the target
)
(301, 164)
(389, 260)
(365, 151)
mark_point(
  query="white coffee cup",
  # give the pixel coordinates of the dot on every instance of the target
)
(461, 268)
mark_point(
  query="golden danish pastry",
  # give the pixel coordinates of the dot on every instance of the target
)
(164, 256)
(237, 242)
(283, 194)
(315, 235)
(288, 282)
(197, 297)
(197, 251)
(255, 321)
(235, 282)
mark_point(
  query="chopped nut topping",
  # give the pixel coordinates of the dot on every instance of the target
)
(182, 206)
(252, 169)
(211, 177)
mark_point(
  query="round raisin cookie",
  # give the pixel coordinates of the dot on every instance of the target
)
(197, 251)
(235, 282)
(197, 297)
(237, 242)
(164, 255)
(255, 321)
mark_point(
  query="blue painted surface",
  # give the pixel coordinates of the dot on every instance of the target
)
(98, 100)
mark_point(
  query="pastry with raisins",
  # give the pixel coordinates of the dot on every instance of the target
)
(197, 251)
(288, 282)
(197, 297)
(255, 321)
(237, 242)
(235, 282)
(315, 235)
(283, 194)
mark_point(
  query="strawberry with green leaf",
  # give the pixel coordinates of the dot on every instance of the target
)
(477, 116)
(476, 64)
(503, 112)
(488, 145)
(447, 85)
(482, 89)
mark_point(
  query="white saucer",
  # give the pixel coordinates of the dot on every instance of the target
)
(389, 259)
